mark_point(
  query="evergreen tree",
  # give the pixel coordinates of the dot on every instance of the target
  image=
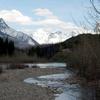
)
(5, 46)
(11, 48)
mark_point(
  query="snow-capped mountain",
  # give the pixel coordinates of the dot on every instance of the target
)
(49, 37)
(57, 37)
(20, 39)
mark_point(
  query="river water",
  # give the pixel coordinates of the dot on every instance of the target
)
(63, 91)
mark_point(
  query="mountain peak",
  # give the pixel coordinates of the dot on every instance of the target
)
(2, 20)
(3, 23)
(20, 39)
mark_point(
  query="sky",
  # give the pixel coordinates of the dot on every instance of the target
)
(39, 18)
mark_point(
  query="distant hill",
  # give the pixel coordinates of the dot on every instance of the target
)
(71, 42)
(82, 52)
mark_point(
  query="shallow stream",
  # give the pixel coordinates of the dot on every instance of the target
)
(62, 90)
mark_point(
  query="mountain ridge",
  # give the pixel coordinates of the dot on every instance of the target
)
(20, 39)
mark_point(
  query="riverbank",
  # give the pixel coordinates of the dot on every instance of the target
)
(12, 86)
(21, 59)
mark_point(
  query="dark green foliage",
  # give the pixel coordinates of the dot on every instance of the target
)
(6, 47)
(1, 46)
(11, 48)
(16, 66)
(45, 51)
(32, 51)
(1, 70)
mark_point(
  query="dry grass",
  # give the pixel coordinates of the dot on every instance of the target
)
(21, 59)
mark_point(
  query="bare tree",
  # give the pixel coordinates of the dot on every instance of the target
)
(96, 14)
(94, 6)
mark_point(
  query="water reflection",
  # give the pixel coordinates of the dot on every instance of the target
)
(47, 65)
(34, 65)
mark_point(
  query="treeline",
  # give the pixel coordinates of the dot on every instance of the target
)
(6, 47)
(45, 51)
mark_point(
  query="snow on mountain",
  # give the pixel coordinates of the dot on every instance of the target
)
(20, 39)
(56, 37)
(49, 37)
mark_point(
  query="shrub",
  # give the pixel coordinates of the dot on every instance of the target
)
(1, 69)
(16, 66)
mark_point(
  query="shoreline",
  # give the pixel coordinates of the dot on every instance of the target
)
(12, 86)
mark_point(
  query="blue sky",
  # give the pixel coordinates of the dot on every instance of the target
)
(62, 8)
(43, 15)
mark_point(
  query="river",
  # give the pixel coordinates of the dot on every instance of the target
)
(62, 90)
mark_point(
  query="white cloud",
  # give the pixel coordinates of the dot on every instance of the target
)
(52, 21)
(44, 12)
(15, 16)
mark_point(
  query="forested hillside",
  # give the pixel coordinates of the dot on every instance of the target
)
(82, 53)
(6, 47)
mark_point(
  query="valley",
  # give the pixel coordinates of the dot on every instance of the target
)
(49, 49)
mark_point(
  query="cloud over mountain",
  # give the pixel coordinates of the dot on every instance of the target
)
(15, 16)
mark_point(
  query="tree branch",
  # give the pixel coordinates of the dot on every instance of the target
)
(92, 2)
